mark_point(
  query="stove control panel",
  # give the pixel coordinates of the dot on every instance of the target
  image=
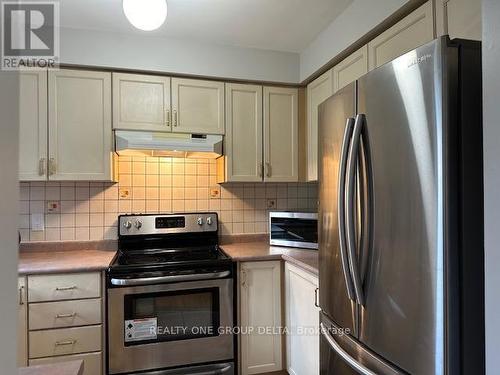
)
(130, 225)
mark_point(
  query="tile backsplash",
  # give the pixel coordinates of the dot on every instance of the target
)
(89, 210)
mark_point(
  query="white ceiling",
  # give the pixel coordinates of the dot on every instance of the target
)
(281, 25)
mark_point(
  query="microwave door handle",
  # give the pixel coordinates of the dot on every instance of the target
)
(341, 208)
(169, 279)
(350, 212)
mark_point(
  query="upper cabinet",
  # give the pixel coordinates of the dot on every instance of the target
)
(197, 106)
(411, 32)
(317, 91)
(281, 144)
(80, 146)
(243, 141)
(459, 18)
(350, 69)
(141, 102)
(33, 125)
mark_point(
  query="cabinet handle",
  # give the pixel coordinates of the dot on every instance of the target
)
(21, 297)
(316, 297)
(52, 166)
(243, 278)
(167, 115)
(260, 167)
(65, 342)
(41, 167)
(175, 117)
(268, 170)
(61, 316)
(62, 288)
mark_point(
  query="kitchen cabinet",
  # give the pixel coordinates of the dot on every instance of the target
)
(317, 91)
(80, 146)
(243, 141)
(33, 125)
(411, 32)
(141, 102)
(260, 308)
(197, 106)
(459, 18)
(350, 69)
(22, 324)
(65, 319)
(281, 134)
(302, 321)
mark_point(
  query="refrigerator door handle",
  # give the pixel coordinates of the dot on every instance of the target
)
(342, 353)
(350, 212)
(349, 126)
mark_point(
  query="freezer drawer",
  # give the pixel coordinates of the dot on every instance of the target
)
(342, 355)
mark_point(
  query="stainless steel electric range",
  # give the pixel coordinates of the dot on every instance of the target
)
(170, 297)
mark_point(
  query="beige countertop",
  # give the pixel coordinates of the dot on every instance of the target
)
(62, 368)
(261, 250)
(57, 260)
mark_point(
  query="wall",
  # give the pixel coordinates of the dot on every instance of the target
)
(357, 20)
(89, 211)
(491, 126)
(9, 192)
(88, 47)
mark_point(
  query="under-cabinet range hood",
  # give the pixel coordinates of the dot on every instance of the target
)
(145, 143)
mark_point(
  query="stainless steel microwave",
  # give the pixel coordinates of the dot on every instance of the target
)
(293, 229)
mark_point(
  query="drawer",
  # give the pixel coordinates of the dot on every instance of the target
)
(83, 312)
(65, 341)
(92, 362)
(63, 287)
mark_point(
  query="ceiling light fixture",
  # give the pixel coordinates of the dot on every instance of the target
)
(145, 15)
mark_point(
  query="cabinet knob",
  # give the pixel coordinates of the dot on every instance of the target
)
(268, 170)
(167, 117)
(175, 117)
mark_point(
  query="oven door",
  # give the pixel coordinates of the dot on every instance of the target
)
(168, 325)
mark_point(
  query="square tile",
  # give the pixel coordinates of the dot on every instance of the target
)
(37, 207)
(67, 234)
(67, 220)
(52, 234)
(37, 193)
(82, 234)
(82, 206)
(82, 220)
(67, 193)
(53, 193)
(96, 206)
(96, 233)
(96, 220)
(82, 193)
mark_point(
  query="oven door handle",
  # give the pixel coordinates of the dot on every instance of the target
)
(170, 279)
(203, 370)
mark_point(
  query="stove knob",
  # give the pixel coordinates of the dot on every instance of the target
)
(200, 221)
(127, 224)
(138, 224)
(209, 220)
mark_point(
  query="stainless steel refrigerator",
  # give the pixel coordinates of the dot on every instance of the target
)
(401, 217)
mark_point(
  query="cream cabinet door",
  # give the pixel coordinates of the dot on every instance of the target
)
(280, 134)
(317, 91)
(459, 18)
(411, 32)
(302, 321)
(260, 307)
(350, 69)
(243, 140)
(79, 125)
(33, 126)
(197, 106)
(141, 102)
(22, 324)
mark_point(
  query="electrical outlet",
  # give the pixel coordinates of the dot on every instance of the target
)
(215, 192)
(271, 203)
(124, 193)
(53, 207)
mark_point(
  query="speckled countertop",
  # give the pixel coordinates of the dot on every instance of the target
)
(261, 250)
(65, 257)
(55, 257)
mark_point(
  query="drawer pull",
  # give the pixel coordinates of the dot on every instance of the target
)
(60, 316)
(65, 342)
(62, 288)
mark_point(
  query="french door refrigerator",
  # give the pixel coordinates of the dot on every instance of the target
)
(401, 217)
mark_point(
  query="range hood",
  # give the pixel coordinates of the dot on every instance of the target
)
(145, 143)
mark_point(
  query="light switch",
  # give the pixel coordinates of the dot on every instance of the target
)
(37, 222)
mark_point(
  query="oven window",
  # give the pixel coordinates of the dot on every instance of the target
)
(298, 230)
(171, 316)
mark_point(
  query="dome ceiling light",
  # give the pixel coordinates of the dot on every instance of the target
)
(145, 15)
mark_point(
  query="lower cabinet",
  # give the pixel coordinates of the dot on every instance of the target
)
(260, 317)
(22, 324)
(302, 321)
(63, 317)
